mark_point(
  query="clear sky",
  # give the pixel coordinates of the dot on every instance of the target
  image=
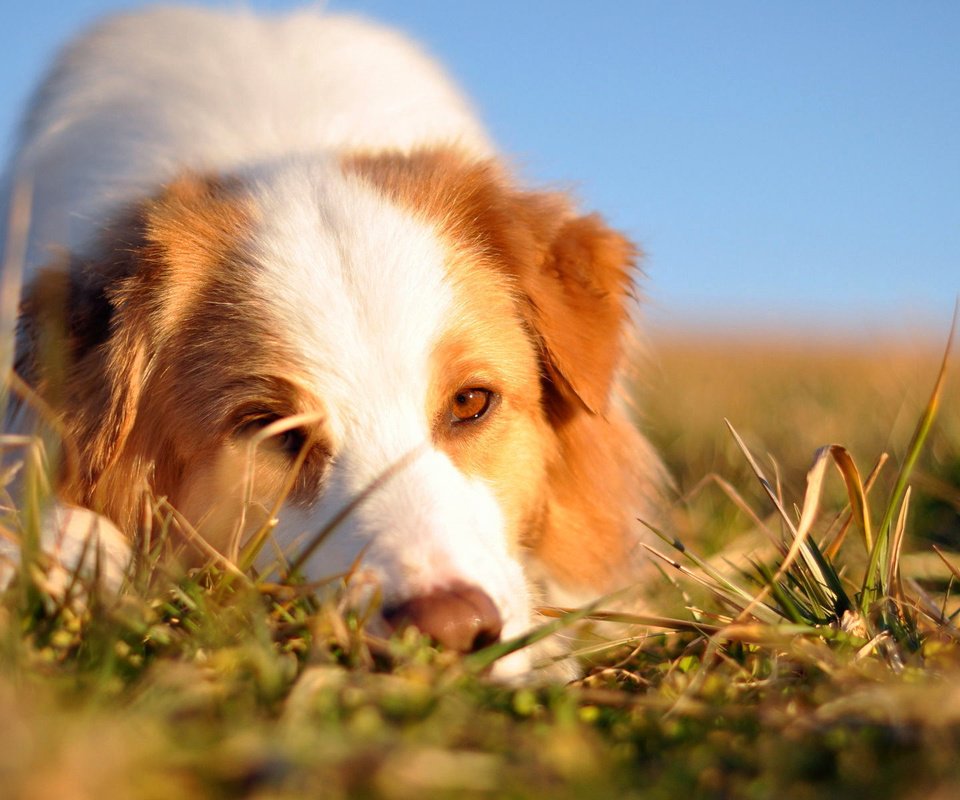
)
(782, 164)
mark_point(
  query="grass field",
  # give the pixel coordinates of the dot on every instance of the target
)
(210, 688)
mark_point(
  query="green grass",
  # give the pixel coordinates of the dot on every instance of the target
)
(202, 686)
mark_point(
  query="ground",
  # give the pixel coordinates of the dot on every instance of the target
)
(215, 688)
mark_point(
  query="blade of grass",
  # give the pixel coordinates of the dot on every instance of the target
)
(872, 588)
(723, 582)
(824, 576)
(799, 542)
(647, 620)
(951, 567)
(483, 659)
(736, 600)
(196, 540)
(248, 554)
(830, 550)
(754, 633)
(896, 546)
(321, 536)
(734, 496)
(933, 612)
(772, 586)
(856, 495)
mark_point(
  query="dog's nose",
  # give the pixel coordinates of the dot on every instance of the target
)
(461, 618)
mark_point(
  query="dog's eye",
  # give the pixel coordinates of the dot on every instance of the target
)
(470, 404)
(290, 441)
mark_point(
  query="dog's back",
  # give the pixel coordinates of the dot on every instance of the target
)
(144, 96)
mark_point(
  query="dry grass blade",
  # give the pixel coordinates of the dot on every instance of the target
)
(811, 503)
(483, 659)
(896, 546)
(607, 646)
(722, 581)
(735, 597)
(928, 608)
(647, 620)
(859, 509)
(737, 499)
(831, 549)
(69, 456)
(760, 633)
(196, 540)
(951, 567)
(251, 549)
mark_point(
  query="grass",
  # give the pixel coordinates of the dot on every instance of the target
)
(785, 663)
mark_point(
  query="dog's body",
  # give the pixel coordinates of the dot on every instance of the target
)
(290, 237)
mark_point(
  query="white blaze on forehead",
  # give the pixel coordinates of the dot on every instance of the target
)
(359, 288)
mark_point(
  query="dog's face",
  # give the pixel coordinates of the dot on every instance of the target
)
(401, 351)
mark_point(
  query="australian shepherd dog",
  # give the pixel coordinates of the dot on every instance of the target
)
(292, 287)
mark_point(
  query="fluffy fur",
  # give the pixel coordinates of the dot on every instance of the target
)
(278, 253)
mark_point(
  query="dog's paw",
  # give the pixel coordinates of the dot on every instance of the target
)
(77, 546)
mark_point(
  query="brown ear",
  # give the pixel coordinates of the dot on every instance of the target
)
(107, 386)
(86, 359)
(103, 318)
(577, 294)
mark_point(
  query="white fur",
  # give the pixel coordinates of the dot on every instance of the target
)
(75, 540)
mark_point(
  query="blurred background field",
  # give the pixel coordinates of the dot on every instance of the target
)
(787, 396)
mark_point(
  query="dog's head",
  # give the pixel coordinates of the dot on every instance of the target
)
(403, 353)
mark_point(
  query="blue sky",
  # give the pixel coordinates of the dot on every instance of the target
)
(783, 164)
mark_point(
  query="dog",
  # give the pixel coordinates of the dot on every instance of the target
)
(294, 288)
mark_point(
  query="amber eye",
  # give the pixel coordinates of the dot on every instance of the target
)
(470, 404)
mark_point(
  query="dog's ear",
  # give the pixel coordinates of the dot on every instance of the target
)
(90, 328)
(577, 290)
(85, 355)
(573, 276)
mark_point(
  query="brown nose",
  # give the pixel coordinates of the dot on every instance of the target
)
(460, 618)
